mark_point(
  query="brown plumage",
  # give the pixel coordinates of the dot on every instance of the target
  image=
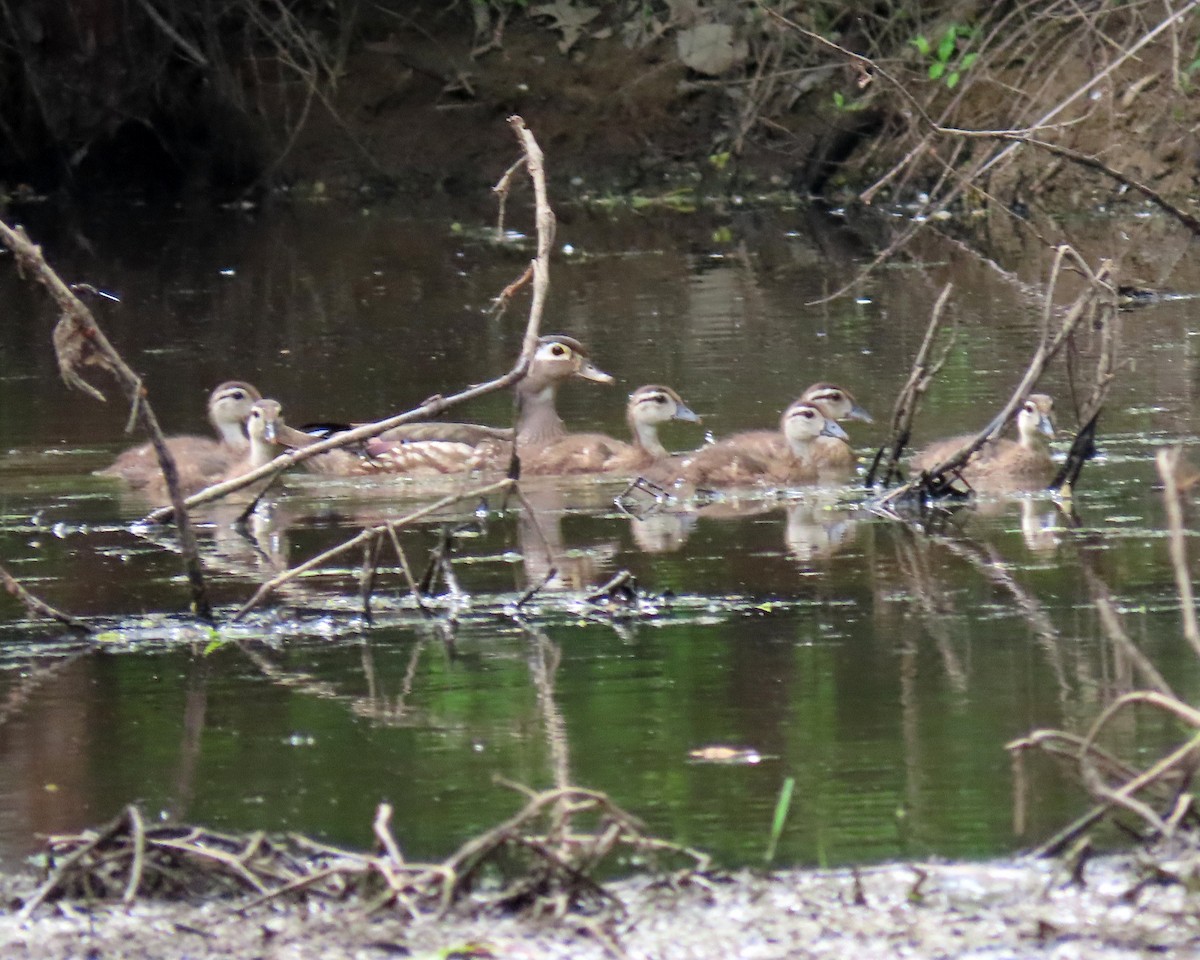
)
(556, 359)
(199, 460)
(1002, 465)
(829, 454)
(759, 457)
(582, 453)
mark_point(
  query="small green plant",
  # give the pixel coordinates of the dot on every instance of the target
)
(849, 106)
(945, 63)
(782, 805)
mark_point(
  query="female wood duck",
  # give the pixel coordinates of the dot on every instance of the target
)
(760, 457)
(1002, 465)
(582, 453)
(199, 459)
(555, 360)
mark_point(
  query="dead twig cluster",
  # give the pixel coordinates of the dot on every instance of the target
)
(544, 863)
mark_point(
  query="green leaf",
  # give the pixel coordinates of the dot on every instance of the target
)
(945, 49)
(922, 45)
(952, 80)
(839, 101)
(782, 804)
(936, 69)
(967, 62)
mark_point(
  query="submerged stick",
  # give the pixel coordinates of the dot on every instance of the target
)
(79, 342)
(38, 607)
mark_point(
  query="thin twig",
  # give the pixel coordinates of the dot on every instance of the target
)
(1168, 471)
(37, 607)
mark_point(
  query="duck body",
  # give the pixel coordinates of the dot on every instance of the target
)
(429, 449)
(1003, 465)
(198, 460)
(585, 453)
(759, 457)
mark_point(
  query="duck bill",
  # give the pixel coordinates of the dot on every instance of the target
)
(831, 429)
(1045, 426)
(589, 371)
(686, 413)
(858, 413)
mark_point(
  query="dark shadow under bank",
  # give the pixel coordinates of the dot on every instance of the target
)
(1115, 909)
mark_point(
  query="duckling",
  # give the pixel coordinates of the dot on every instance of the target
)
(262, 428)
(830, 454)
(580, 453)
(199, 460)
(782, 458)
(1002, 465)
(556, 359)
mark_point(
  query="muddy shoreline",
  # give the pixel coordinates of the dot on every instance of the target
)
(1001, 909)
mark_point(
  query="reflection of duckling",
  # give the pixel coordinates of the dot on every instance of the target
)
(663, 531)
(578, 453)
(1002, 465)
(199, 460)
(813, 532)
(758, 457)
(543, 548)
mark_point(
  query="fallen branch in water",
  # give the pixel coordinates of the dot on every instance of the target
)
(539, 270)
(37, 607)
(79, 342)
(1005, 141)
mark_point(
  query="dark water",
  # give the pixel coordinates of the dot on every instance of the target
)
(882, 668)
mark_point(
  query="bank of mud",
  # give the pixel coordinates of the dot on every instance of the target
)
(1114, 908)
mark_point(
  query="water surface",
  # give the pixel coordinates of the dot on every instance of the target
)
(881, 667)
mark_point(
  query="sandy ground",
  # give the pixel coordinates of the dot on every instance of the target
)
(903, 910)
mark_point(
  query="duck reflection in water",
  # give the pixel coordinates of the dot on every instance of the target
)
(547, 563)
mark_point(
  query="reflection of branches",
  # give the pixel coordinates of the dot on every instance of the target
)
(1118, 788)
(361, 538)
(544, 660)
(32, 677)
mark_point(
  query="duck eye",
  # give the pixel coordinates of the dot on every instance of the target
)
(659, 398)
(558, 350)
(238, 395)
